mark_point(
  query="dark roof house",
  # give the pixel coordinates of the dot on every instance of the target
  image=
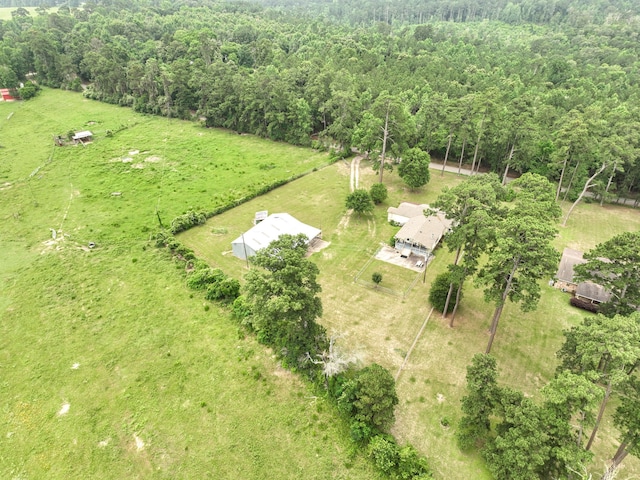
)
(566, 279)
(570, 258)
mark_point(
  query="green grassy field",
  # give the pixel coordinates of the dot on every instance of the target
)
(110, 367)
(5, 12)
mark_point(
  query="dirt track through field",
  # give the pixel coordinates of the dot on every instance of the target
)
(406, 357)
(355, 172)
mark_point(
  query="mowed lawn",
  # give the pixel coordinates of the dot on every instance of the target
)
(377, 327)
(110, 367)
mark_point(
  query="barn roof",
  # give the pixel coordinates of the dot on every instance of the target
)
(272, 227)
(425, 231)
(570, 258)
(83, 134)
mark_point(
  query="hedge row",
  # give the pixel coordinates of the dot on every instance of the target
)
(585, 305)
(194, 218)
(216, 284)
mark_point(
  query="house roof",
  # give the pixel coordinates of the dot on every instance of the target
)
(593, 291)
(425, 231)
(408, 210)
(272, 227)
(83, 134)
(570, 258)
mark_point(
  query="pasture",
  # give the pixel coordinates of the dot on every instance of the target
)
(5, 12)
(110, 366)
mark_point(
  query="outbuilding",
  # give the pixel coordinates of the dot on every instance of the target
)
(270, 229)
(83, 137)
(5, 95)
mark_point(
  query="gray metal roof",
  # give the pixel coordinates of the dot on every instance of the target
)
(272, 227)
(83, 134)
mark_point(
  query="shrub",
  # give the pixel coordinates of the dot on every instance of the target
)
(585, 305)
(226, 289)
(360, 201)
(360, 431)
(384, 452)
(370, 397)
(187, 220)
(376, 278)
(439, 291)
(241, 308)
(201, 278)
(398, 462)
(378, 192)
(28, 91)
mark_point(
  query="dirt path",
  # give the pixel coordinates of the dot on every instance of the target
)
(355, 172)
(406, 357)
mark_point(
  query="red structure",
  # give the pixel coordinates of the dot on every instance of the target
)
(6, 95)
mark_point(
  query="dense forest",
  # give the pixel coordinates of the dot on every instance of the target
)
(525, 86)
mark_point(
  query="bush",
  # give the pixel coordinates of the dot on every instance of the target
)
(376, 278)
(439, 291)
(384, 452)
(201, 278)
(28, 91)
(370, 397)
(585, 305)
(378, 192)
(398, 462)
(360, 201)
(240, 308)
(360, 431)
(227, 289)
(186, 221)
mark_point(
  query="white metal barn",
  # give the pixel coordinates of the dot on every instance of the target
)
(268, 230)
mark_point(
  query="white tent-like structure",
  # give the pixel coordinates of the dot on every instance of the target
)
(268, 230)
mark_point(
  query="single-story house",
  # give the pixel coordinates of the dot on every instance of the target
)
(584, 290)
(564, 277)
(592, 292)
(405, 211)
(268, 230)
(5, 95)
(420, 235)
(83, 137)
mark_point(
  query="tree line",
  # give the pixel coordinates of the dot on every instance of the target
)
(557, 100)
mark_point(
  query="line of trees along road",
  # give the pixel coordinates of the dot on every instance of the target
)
(559, 98)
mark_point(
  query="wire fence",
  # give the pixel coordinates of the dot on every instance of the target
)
(401, 293)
